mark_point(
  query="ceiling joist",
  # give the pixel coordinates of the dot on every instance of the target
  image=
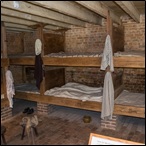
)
(72, 9)
(130, 9)
(28, 23)
(42, 12)
(98, 8)
(13, 13)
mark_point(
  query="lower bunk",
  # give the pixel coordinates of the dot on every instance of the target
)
(126, 103)
(80, 96)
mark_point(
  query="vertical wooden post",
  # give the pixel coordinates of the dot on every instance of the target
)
(4, 54)
(109, 27)
(40, 36)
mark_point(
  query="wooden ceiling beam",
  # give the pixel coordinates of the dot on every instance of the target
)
(71, 9)
(16, 20)
(42, 12)
(24, 22)
(130, 9)
(100, 9)
(17, 26)
(22, 15)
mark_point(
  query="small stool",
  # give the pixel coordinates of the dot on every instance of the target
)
(23, 131)
(3, 130)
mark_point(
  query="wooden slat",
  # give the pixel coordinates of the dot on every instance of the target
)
(124, 62)
(129, 111)
(73, 61)
(22, 60)
(129, 62)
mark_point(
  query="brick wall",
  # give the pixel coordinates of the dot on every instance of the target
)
(14, 43)
(134, 33)
(134, 80)
(89, 39)
(21, 43)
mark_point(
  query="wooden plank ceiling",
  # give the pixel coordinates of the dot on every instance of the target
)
(57, 15)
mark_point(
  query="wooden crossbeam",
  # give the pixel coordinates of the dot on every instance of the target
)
(14, 13)
(71, 9)
(130, 9)
(42, 12)
(100, 9)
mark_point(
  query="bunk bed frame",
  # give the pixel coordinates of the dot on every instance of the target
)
(123, 62)
(4, 66)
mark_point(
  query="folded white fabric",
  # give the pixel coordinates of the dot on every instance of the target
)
(107, 58)
(38, 46)
(10, 87)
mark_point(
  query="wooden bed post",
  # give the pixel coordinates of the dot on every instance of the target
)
(40, 36)
(4, 54)
(109, 27)
(6, 111)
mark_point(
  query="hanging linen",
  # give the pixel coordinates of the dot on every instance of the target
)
(107, 58)
(38, 74)
(108, 90)
(10, 87)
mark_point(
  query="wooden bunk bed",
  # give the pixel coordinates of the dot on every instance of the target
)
(81, 61)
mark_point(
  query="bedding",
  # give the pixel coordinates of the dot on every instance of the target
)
(77, 91)
(27, 87)
(131, 99)
(66, 55)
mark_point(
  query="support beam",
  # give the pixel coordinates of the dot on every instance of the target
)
(17, 26)
(10, 29)
(16, 20)
(24, 22)
(130, 9)
(42, 12)
(13, 13)
(100, 9)
(71, 9)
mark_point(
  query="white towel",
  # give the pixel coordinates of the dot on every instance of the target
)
(108, 90)
(107, 58)
(10, 87)
(108, 97)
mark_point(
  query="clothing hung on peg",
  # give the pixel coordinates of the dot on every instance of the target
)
(108, 90)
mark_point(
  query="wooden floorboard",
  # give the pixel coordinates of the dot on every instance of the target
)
(64, 126)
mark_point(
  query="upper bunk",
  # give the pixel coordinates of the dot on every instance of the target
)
(54, 53)
(124, 60)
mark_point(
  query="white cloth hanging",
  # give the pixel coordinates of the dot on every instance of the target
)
(108, 97)
(10, 87)
(107, 58)
(108, 90)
